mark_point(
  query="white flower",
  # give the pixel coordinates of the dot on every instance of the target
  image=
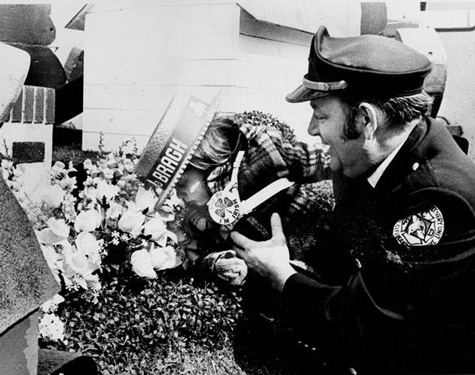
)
(163, 257)
(87, 221)
(89, 181)
(19, 170)
(128, 148)
(7, 164)
(58, 169)
(93, 282)
(166, 213)
(52, 195)
(87, 244)
(51, 327)
(108, 173)
(88, 165)
(155, 228)
(145, 199)
(56, 232)
(121, 183)
(52, 304)
(89, 193)
(71, 167)
(107, 191)
(46, 237)
(58, 227)
(114, 211)
(129, 165)
(131, 222)
(68, 183)
(77, 263)
(142, 264)
(173, 200)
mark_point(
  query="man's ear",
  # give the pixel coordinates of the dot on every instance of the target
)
(370, 119)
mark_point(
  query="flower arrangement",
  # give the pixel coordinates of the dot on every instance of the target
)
(111, 222)
(98, 221)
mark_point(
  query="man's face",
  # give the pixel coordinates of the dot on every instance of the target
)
(191, 187)
(349, 156)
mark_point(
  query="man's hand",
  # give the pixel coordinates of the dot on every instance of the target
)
(269, 259)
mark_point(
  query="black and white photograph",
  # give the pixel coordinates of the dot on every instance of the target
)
(237, 187)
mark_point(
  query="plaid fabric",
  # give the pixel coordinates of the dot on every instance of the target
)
(270, 157)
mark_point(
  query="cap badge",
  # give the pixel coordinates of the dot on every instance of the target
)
(421, 229)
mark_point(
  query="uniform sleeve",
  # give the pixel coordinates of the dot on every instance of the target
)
(307, 305)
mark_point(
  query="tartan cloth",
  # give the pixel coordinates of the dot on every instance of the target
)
(270, 156)
(303, 207)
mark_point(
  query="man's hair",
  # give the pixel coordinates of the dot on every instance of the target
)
(395, 112)
(219, 145)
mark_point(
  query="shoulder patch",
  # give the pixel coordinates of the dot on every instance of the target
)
(420, 229)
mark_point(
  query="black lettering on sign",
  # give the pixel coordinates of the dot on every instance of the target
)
(169, 162)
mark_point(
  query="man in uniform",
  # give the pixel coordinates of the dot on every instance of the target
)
(404, 219)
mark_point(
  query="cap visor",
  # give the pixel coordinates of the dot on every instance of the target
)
(303, 94)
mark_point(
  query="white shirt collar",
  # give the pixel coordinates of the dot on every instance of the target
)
(376, 176)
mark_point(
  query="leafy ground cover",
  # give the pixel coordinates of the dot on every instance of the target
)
(176, 324)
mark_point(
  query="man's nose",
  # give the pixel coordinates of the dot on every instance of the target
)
(313, 127)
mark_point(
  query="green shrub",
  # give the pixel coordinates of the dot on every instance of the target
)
(132, 322)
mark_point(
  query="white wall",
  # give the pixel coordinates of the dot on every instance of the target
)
(138, 56)
(458, 104)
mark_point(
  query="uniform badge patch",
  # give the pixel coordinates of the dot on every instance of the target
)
(421, 229)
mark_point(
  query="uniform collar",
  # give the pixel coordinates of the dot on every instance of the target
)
(376, 176)
(404, 158)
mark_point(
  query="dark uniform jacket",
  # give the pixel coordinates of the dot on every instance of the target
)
(407, 306)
